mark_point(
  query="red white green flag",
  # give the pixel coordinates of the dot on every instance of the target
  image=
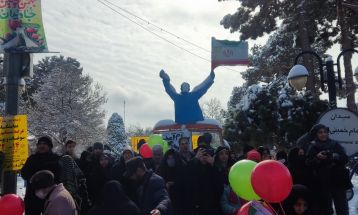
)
(229, 53)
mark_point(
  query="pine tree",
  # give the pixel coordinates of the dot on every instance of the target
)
(116, 134)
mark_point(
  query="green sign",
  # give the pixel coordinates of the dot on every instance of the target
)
(21, 28)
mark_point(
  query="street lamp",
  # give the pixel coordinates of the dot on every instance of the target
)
(297, 77)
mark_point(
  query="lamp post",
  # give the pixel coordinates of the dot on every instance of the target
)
(297, 77)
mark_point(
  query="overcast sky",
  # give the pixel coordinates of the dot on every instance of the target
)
(126, 59)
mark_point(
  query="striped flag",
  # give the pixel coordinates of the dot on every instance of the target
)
(225, 52)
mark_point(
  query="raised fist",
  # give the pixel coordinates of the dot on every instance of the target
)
(164, 75)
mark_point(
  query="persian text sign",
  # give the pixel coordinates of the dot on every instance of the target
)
(224, 52)
(21, 27)
(13, 141)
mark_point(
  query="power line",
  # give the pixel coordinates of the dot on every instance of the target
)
(157, 35)
(158, 27)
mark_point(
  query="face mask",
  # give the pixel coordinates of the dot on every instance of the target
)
(40, 194)
(171, 162)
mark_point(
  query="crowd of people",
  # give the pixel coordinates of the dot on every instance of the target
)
(179, 182)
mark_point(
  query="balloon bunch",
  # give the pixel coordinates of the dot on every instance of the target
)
(146, 149)
(11, 204)
(268, 180)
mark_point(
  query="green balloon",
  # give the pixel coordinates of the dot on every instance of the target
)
(165, 146)
(155, 140)
(240, 179)
(158, 140)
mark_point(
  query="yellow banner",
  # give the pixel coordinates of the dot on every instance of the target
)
(13, 141)
(21, 27)
(135, 140)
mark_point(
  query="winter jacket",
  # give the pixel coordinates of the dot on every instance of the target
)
(206, 189)
(301, 173)
(176, 180)
(304, 141)
(60, 202)
(331, 170)
(37, 162)
(152, 194)
(230, 202)
(113, 201)
(97, 179)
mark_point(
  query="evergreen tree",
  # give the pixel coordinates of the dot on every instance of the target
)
(116, 134)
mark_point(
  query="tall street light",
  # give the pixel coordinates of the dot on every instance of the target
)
(297, 77)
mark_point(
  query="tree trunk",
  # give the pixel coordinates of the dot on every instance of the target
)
(305, 46)
(346, 43)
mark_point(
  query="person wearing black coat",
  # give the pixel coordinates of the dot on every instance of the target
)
(328, 159)
(113, 201)
(118, 170)
(99, 176)
(205, 185)
(175, 176)
(152, 196)
(43, 159)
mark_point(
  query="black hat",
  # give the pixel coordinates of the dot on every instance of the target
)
(98, 145)
(132, 165)
(42, 179)
(45, 140)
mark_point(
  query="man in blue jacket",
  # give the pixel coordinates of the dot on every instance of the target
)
(187, 109)
(151, 197)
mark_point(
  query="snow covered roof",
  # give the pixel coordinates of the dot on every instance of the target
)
(210, 122)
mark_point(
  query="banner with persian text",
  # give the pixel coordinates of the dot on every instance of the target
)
(13, 141)
(21, 28)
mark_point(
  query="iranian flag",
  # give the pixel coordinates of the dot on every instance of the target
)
(229, 53)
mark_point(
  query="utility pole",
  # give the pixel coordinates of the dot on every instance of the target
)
(13, 68)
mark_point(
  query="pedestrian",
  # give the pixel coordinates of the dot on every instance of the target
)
(265, 153)
(70, 149)
(58, 201)
(152, 197)
(99, 176)
(119, 169)
(75, 182)
(205, 184)
(281, 156)
(113, 201)
(157, 156)
(300, 172)
(173, 171)
(222, 164)
(328, 159)
(184, 150)
(305, 141)
(43, 159)
(299, 201)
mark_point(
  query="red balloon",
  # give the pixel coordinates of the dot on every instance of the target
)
(145, 151)
(272, 181)
(255, 206)
(11, 204)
